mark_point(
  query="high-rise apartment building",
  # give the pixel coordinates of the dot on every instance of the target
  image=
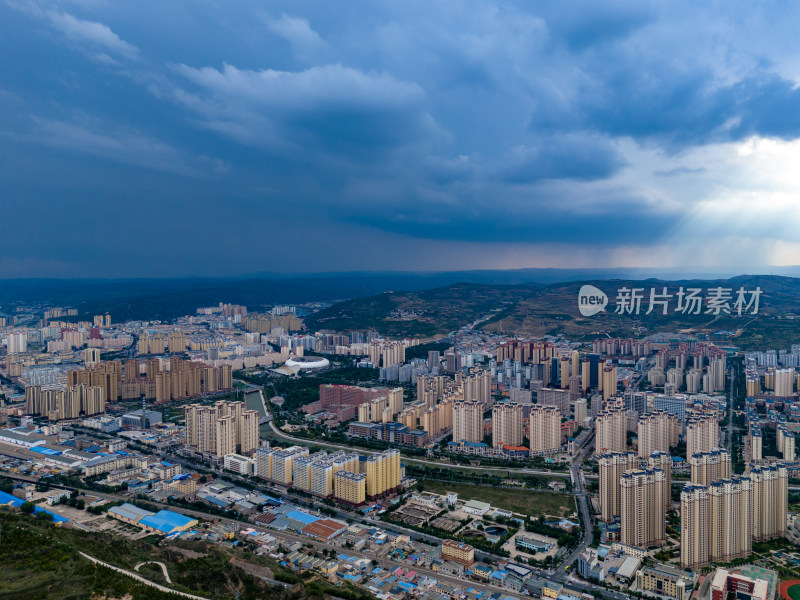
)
(694, 526)
(784, 382)
(609, 381)
(506, 424)
(753, 384)
(477, 387)
(17, 343)
(467, 421)
(564, 363)
(69, 403)
(663, 461)
(221, 429)
(555, 397)
(580, 411)
(350, 487)
(785, 439)
(730, 510)
(710, 466)
(283, 463)
(91, 357)
(611, 430)
(545, 430)
(657, 432)
(770, 498)
(383, 472)
(642, 518)
(702, 434)
(756, 445)
(612, 465)
(225, 435)
(720, 521)
(320, 478)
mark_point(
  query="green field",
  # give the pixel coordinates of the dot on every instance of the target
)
(794, 592)
(522, 501)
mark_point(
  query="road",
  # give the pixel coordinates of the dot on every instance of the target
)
(155, 562)
(141, 579)
(579, 491)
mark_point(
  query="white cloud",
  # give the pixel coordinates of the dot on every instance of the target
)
(91, 32)
(306, 43)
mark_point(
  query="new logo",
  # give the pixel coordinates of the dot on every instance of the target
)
(591, 300)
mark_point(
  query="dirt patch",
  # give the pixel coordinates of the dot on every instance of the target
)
(251, 569)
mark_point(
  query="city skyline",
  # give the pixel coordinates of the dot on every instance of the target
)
(299, 137)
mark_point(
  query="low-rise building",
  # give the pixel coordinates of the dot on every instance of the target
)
(463, 554)
(665, 580)
(475, 507)
(239, 464)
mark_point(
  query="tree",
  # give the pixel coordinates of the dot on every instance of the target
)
(44, 516)
(27, 508)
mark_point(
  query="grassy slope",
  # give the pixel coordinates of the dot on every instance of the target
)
(521, 501)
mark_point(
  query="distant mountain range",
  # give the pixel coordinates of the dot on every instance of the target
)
(532, 310)
(530, 302)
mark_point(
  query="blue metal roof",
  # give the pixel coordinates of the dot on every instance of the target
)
(166, 521)
(216, 501)
(56, 518)
(47, 451)
(301, 516)
(9, 499)
(130, 512)
(14, 501)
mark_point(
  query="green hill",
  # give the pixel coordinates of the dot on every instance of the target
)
(426, 313)
(534, 311)
(41, 561)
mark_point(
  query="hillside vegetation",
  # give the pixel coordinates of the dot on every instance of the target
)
(535, 311)
(41, 561)
(427, 313)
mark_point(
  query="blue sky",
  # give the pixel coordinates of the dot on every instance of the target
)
(213, 138)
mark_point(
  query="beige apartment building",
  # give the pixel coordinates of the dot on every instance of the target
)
(468, 421)
(730, 508)
(612, 466)
(663, 461)
(383, 472)
(506, 424)
(350, 487)
(642, 518)
(702, 434)
(609, 381)
(657, 432)
(719, 522)
(545, 430)
(611, 430)
(460, 553)
(710, 466)
(222, 428)
(694, 526)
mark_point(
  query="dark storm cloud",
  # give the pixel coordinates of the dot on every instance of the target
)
(480, 122)
(563, 157)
